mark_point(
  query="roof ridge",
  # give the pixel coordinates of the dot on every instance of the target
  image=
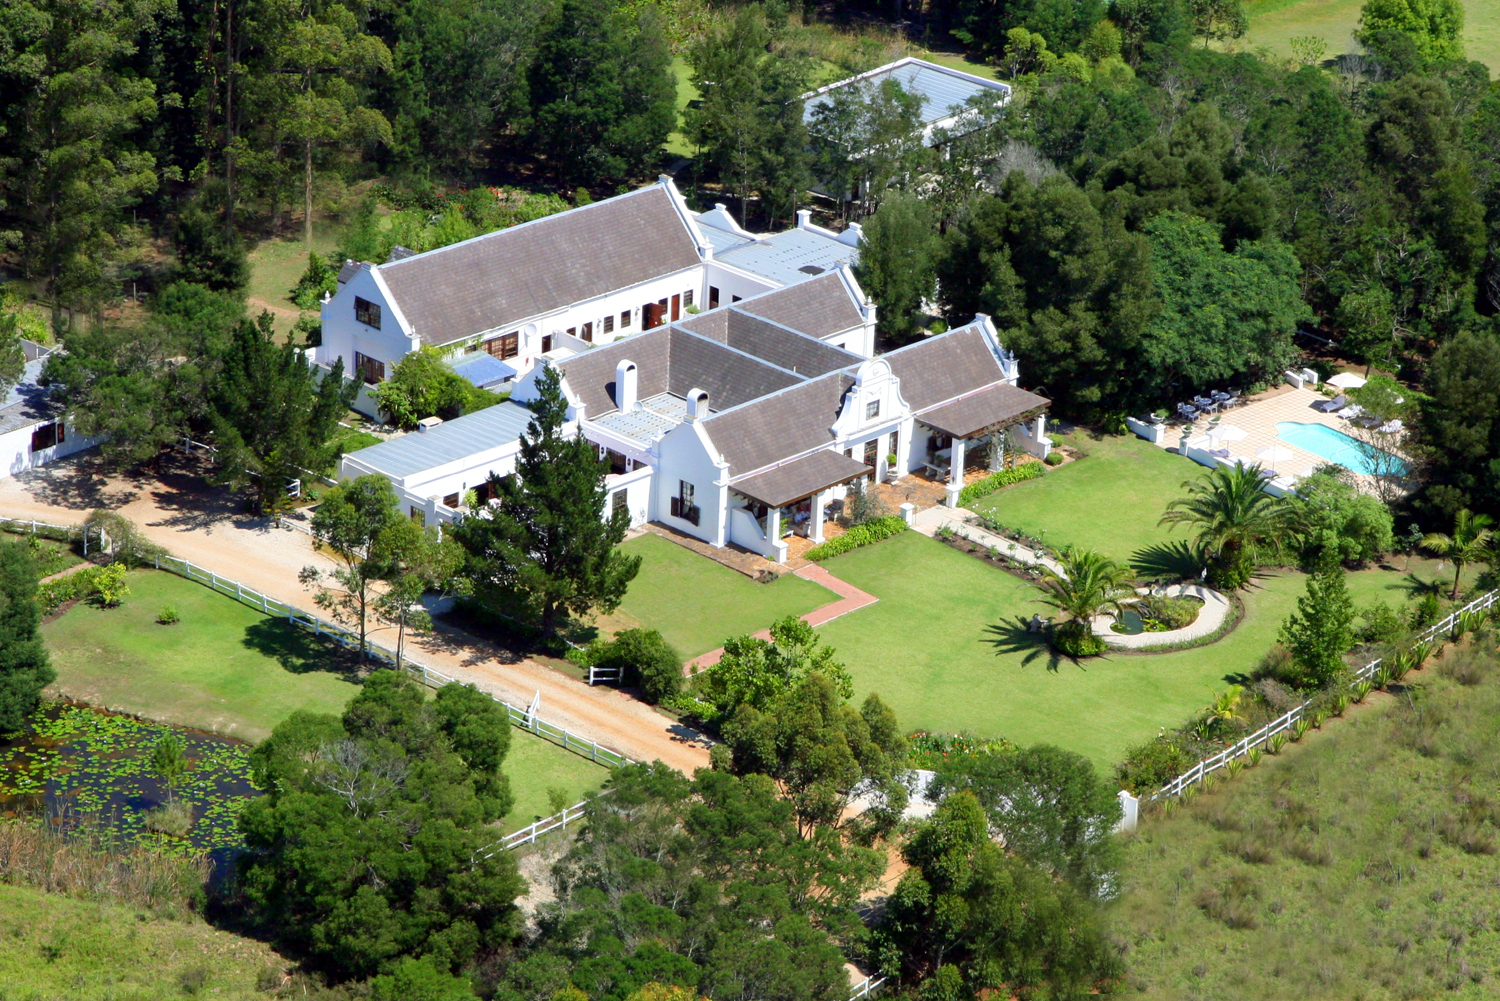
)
(613, 199)
(735, 308)
(838, 373)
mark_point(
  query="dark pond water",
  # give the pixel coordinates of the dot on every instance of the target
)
(79, 764)
(1129, 622)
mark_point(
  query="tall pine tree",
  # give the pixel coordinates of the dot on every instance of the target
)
(1319, 632)
(547, 546)
(24, 668)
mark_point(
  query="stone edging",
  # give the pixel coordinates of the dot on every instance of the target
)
(1215, 610)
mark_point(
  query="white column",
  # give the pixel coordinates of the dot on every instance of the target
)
(819, 500)
(773, 525)
(882, 449)
(903, 448)
(955, 472)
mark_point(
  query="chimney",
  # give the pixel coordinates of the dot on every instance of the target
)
(625, 384)
(804, 218)
(697, 404)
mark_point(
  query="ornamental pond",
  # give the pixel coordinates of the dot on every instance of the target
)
(74, 763)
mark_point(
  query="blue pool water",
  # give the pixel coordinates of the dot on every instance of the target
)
(1335, 446)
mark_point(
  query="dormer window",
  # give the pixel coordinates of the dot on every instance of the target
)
(872, 410)
(367, 312)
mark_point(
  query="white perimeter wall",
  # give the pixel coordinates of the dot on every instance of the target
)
(16, 453)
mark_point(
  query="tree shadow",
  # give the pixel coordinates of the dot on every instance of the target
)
(1178, 560)
(1014, 636)
(301, 652)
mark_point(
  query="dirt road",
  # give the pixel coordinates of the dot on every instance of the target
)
(174, 508)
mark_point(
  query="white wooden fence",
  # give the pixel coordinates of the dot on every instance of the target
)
(865, 988)
(60, 533)
(433, 679)
(1288, 722)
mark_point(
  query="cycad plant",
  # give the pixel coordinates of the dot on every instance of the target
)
(1090, 584)
(1472, 541)
(1232, 513)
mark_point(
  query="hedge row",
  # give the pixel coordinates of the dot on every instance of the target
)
(996, 480)
(860, 535)
(81, 583)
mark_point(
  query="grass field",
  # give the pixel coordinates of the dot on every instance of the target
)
(947, 648)
(1123, 475)
(227, 668)
(1358, 864)
(56, 948)
(697, 604)
(1274, 23)
(276, 265)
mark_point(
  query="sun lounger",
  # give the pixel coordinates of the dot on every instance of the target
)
(1219, 453)
(1352, 411)
(1329, 406)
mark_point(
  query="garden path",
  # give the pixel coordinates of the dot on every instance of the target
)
(934, 519)
(1215, 609)
(175, 508)
(851, 599)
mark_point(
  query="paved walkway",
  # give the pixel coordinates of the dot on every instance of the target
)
(1215, 609)
(851, 599)
(176, 509)
(930, 521)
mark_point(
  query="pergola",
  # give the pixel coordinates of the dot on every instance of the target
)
(981, 414)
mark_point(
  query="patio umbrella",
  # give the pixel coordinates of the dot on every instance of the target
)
(1346, 380)
(1229, 432)
(1274, 454)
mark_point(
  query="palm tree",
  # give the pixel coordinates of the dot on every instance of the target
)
(1232, 513)
(1471, 542)
(1090, 583)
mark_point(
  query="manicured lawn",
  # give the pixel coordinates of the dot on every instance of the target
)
(697, 604)
(53, 946)
(1110, 501)
(227, 668)
(947, 648)
(1274, 23)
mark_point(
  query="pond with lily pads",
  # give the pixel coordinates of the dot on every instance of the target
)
(78, 764)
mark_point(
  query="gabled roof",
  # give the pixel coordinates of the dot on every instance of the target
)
(508, 276)
(984, 410)
(450, 441)
(772, 342)
(27, 403)
(821, 306)
(940, 86)
(780, 425)
(672, 360)
(942, 368)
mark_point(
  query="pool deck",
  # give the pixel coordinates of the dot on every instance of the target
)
(1258, 419)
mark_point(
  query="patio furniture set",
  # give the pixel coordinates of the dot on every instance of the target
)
(1211, 404)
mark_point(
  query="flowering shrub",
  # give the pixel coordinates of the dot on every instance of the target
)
(934, 750)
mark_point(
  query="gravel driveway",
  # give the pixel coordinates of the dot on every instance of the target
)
(175, 507)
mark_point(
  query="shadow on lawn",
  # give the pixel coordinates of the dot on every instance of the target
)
(301, 652)
(1175, 560)
(1014, 636)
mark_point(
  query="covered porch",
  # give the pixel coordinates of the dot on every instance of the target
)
(998, 420)
(791, 498)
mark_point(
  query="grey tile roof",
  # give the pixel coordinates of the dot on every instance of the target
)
(672, 360)
(774, 427)
(782, 257)
(504, 277)
(942, 88)
(996, 405)
(348, 271)
(27, 403)
(945, 367)
(792, 481)
(772, 342)
(449, 441)
(819, 306)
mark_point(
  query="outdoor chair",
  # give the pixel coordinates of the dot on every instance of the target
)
(1352, 411)
(1219, 453)
(1329, 406)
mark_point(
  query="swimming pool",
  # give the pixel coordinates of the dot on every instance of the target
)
(1335, 446)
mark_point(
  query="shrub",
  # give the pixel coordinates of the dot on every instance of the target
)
(1426, 611)
(1169, 613)
(1379, 623)
(1053, 459)
(998, 479)
(937, 750)
(644, 658)
(1075, 639)
(860, 535)
(1149, 766)
(109, 585)
(862, 505)
(175, 819)
(168, 615)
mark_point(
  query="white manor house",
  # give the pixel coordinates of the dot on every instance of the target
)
(737, 422)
